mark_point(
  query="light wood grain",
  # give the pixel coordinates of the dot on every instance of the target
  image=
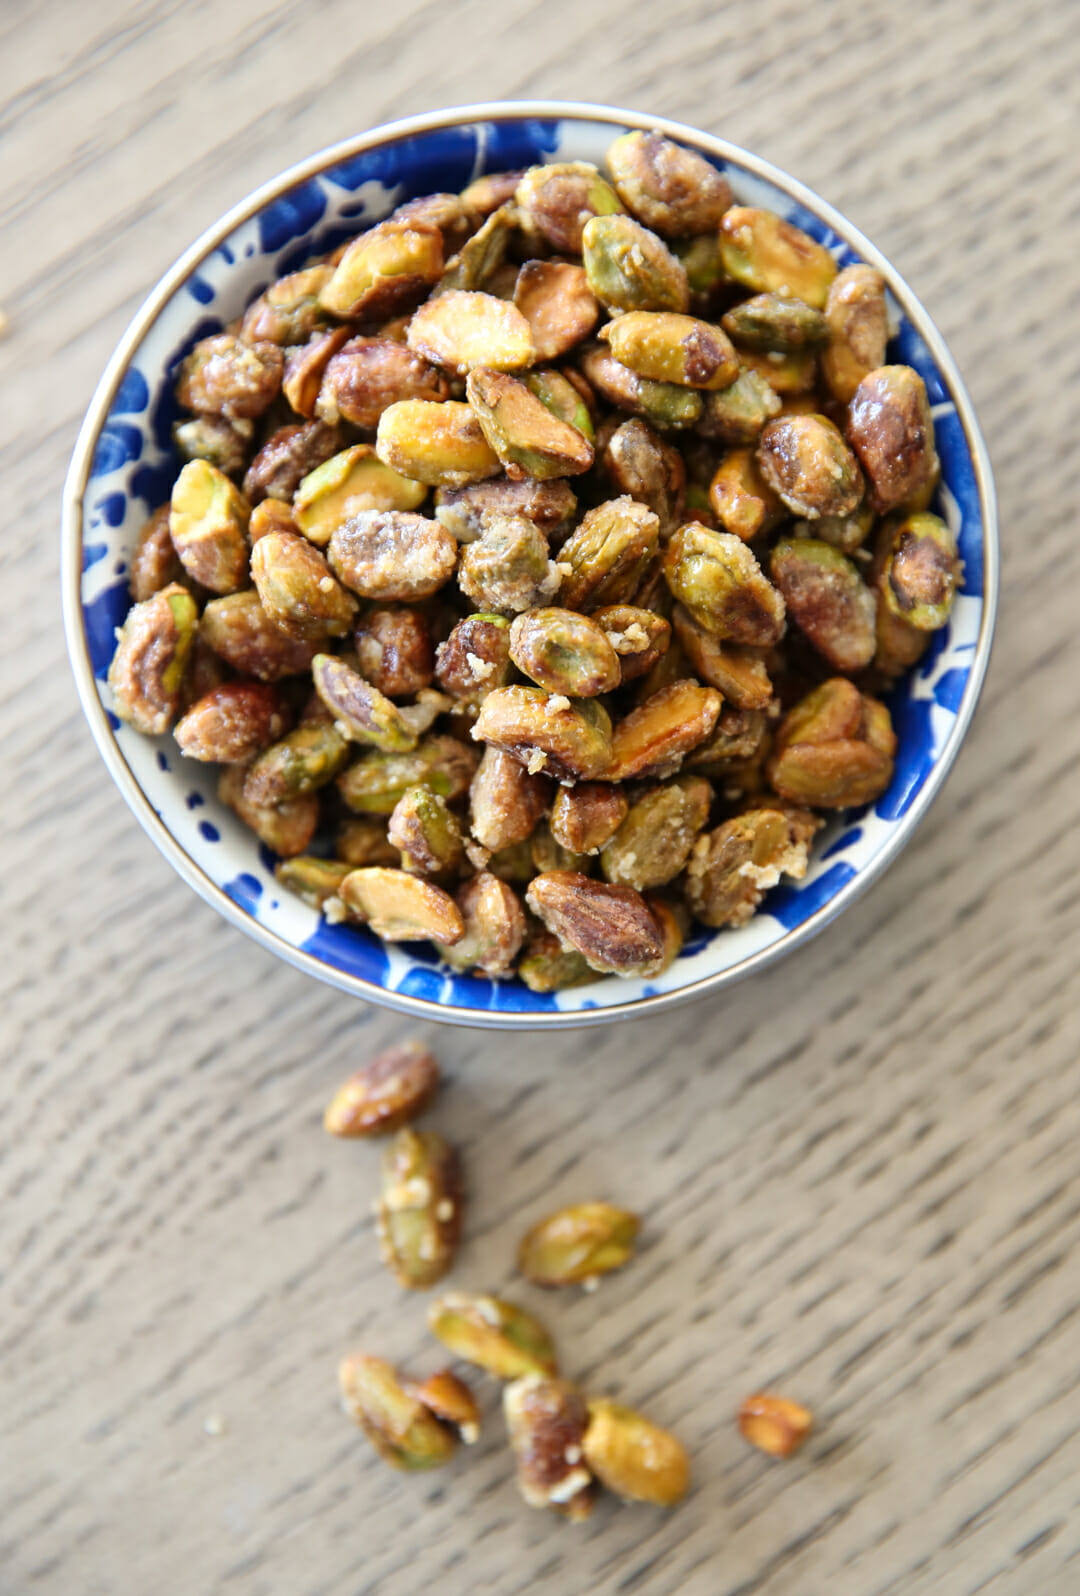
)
(859, 1173)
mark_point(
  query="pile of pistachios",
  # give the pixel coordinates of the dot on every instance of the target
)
(538, 563)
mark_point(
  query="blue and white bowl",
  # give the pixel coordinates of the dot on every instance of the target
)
(124, 466)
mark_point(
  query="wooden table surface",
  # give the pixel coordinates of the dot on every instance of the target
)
(859, 1173)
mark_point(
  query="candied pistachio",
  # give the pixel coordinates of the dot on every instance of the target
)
(481, 255)
(285, 828)
(789, 376)
(739, 735)
(805, 460)
(608, 554)
(921, 572)
(507, 568)
(301, 762)
(361, 713)
(401, 907)
(305, 367)
(586, 816)
(611, 927)
(654, 841)
(450, 1399)
(828, 599)
(561, 309)
(892, 432)
(549, 967)
(667, 347)
(392, 554)
(389, 1091)
(654, 737)
(426, 833)
(208, 519)
(774, 1424)
(548, 854)
(362, 840)
(562, 398)
(731, 868)
(241, 633)
(384, 270)
(719, 581)
(270, 515)
(495, 1335)
(634, 1457)
(152, 649)
(347, 484)
(485, 194)
(844, 532)
(297, 589)
(367, 375)
(578, 1243)
(638, 636)
(673, 918)
(155, 563)
(475, 658)
(463, 329)
(898, 645)
(564, 652)
(310, 879)
(376, 781)
(558, 200)
(858, 328)
(769, 255)
(222, 443)
(675, 191)
(640, 464)
(527, 437)
(737, 413)
(545, 1420)
(447, 212)
(550, 505)
(630, 268)
(773, 321)
(739, 673)
(395, 650)
(513, 863)
(232, 723)
(494, 927)
(834, 749)
(442, 445)
(704, 265)
(546, 732)
(665, 404)
(505, 801)
(400, 1426)
(286, 458)
(742, 501)
(288, 311)
(224, 376)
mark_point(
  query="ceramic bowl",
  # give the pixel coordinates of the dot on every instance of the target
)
(124, 465)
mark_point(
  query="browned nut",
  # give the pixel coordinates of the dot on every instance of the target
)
(555, 298)
(427, 834)
(208, 519)
(669, 347)
(546, 1419)
(360, 712)
(892, 432)
(741, 499)
(652, 739)
(633, 1457)
(716, 577)
(586, 816)
(367, 375)
(546, 732)
(769, 255)
(442, 445)
(347, 484)
(224, 376)
(270, 515)
(301, 762)
(507, 568)
(390, 1091)
(286, 828)
(828, 600)
(401, 907)
(462, 330)
(450, 1399)
(420, 1207)
(739, 673)
(549, 505)
(774, 1424)
(858, 326)
(675, 191)
(630, 268)
(305, 365)
(654, 841)
(805, 460)
(362, 840)
(297, 589)
(384, 270)
(241, 633)
(448, 213)
(790, 376)
(527, 437)
(611, 927)
(152, 650)
(505, 801)
(155, 562)
(834, 749)
(403, 1429)
(286, 458)
(732, 868)
(485, 194)
(288, 311)
(395, 650)
(564, 652)
(639, 463)
(638, 636)
(608, 555)
(475, 658)
(577, 1244)
(556, 201)
(392, 554)
(494, 927)
(222, 443)
(232, 723)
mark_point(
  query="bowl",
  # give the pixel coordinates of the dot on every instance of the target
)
(124, 465)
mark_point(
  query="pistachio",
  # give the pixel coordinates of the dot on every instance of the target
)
(555, 299)
(667, 347)
(401, 1428)
(921, 572)
(790, 376)
(232, 723)
(400, 906)
(834, 749)
(305, 368)
(362, 840)
(586, 816)
(285, 828)
(361, 713)
(450, 1399)
(548, 854)
(641, 465)
(715, 576)
(858, 327)
(505, 801)
(385, 270)
(558, 200)
(390, 1091)
(208, 519)
(546, 732)
(462, 330)
(286, 457)
(577, 1244)
(475, 658)
(549, 967)
(375, 782)
(675, 191)
(346, 485)
(204, 672)
(654, 737)
(298, 590)
(769, 255)
(739, 735)
(507, 568)
(701, 257)
(563, 398)
(367, 375)
(152, 650)
(395, 650)
(773, 321)
(608, 554)
(301, 762)
(155, 563)
(270, 515)
(899, 645)
(737, 414)
(892, 432)
(521, 429)
(426, 833)
(442, 445)
(629, 268)
(463, 511)
(495, 1335)
(654, 841)
(224, 376)
(673, 918)
(774, 1424)
(634, 1457)
(611, 927)
(288, 311)
(448, 213)
(741, 499)
(805, 460)
(221, 443)
(828, 599)
(494, 927)
(392, 554)
(239, 630)
(564, 652)
(845, 532)
(485, 194)
(664, 404)
(512, 864)
(313, 880)
(420, 1203)
(738, 673)
(481, 255)
(546, 1419)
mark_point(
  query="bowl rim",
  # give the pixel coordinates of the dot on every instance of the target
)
(97, 413)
